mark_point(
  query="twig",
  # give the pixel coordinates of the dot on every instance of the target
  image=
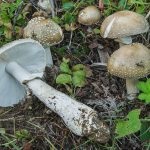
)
(71, 34)
(52, 8)
(98, 64)
(147, 16)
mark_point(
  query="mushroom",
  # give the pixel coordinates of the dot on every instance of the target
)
(46, 31)
(130, 62)
(89, 15)
(22, 63)
(122, 25)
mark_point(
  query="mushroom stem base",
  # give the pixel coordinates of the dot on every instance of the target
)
(131, 88)
(79, 118)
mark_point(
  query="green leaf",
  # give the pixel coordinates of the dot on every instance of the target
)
(144, 97)
(96, 31)
(78, 78)
(64, 79)
(78, 67)
(64, 67)
(68, 5)
(22, 134)
(2, 131)
(69, 18)
(87, 70)
(107, 2)
(122, 4)
(79, 73)
(66, 60)
(145, 131)
(140, 9)
(130, 126)
(144, 87)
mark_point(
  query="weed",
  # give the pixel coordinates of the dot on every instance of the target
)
(11, 141)
(72, 77)
(139, 6)
(11, 21)
(144, 87)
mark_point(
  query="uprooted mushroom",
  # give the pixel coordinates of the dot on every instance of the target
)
(130, 62)
(22, 64)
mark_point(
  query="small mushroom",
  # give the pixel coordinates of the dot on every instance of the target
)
(22, 63)
(123, 24)
(89, 15)
(130, 62)
(46, 31)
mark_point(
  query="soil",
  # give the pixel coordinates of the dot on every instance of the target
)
(103, 92)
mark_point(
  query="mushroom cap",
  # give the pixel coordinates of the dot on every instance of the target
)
(89, 15)
(123, 23)
(46, 31)
(30, 55)
(130, 61)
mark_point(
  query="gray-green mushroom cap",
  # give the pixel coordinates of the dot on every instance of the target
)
(46, 31)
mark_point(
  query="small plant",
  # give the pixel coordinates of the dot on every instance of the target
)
(130, 124)
(11, 141)
(10, 22)
(139, 6)
(144, 87)
(22, 135)
(74, 76)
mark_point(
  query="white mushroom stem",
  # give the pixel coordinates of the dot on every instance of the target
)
(124, 40)
(131, 88)
(79, 118)
(49, 60)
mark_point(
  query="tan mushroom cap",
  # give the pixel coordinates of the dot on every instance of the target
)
(89, 15)
(124, 23)
(130, 61)
(46, 31)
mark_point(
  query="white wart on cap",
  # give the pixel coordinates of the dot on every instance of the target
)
(130, 62)
(89, 15)
(122, 24)
(46, 31)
